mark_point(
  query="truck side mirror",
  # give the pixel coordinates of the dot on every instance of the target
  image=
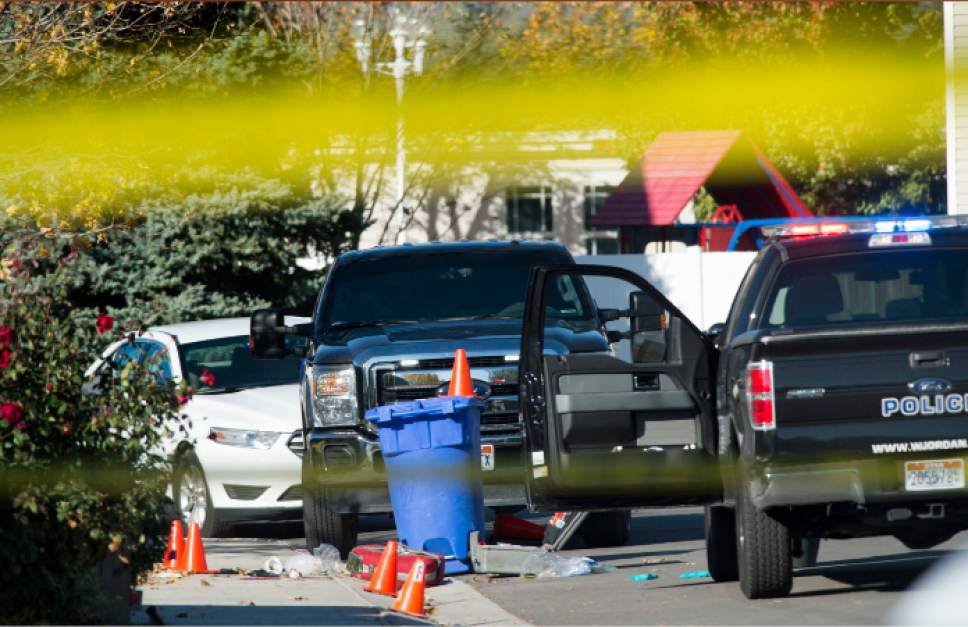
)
(715, 331)
(645, 313)
(267, 334)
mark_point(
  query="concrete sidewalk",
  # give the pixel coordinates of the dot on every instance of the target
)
(232, 600)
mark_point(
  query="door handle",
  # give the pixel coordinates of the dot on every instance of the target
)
(929, 359)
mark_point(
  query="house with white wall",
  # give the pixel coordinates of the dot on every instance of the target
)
(956, 105)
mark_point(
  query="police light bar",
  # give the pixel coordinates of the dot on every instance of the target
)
(877, 226)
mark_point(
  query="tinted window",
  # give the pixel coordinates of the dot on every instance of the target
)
(231, 364)
(446, 286)
(874, 287)
(144, 352)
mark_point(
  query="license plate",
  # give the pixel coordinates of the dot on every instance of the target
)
(487, 457)
(938, 474)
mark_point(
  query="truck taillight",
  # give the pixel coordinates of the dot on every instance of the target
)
(759, 395)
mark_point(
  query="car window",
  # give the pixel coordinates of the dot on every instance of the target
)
(871, 287)
(150, 353)
(227, 363)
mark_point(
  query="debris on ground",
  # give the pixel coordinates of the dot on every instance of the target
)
(324, 559)
(654, 560)
(696, 574)
(644, 577)
(550, 564)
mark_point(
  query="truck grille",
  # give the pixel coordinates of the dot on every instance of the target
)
(500, 414)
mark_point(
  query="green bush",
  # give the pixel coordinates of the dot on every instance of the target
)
(82, 475)
(220, 251)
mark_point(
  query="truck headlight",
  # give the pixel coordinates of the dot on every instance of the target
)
(334, 396)
(243, 437)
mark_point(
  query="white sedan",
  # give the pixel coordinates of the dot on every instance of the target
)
(240, 458)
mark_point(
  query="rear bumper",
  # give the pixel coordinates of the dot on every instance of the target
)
(860, 482)
(349, 464)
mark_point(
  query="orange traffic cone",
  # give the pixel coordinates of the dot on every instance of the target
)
(194, 552)
(176, 544)
(411, 599)
(507, 527)
(384, 580)
(460, 376)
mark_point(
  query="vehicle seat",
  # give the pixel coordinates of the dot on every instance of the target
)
(812, 299)
(902, 309)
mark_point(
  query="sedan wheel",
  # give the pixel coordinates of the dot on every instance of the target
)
(192, 496)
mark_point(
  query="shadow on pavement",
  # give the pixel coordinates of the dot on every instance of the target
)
(667, 528)
(884, 573)
(276, 615)
(293, 530)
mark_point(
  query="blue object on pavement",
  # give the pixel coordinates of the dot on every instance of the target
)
(432, 452)
(644, 577)
(696, 574)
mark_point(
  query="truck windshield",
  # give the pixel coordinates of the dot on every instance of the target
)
(874, 287)
(452, 285)
(231, 366)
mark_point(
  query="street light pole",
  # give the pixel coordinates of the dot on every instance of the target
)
(407, 33)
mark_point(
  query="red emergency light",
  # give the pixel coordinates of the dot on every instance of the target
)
(816, 230)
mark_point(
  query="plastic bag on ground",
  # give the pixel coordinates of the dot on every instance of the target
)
(328, 556)
(549, 564)
(302, 565)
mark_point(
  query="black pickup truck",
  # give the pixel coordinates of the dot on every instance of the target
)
(385, 328)
(831, 404)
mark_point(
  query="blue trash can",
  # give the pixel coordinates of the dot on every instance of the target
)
(432, 452)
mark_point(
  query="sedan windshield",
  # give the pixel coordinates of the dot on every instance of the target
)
(226, 364)
(448, 285)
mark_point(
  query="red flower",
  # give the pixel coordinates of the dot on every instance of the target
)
(11, 413)
(5, 357)
(184, 398)
(6, 336)
(66, 428)
(70, 256)
(20, 426)
(50, 387)
(207, 377)
(104, 323)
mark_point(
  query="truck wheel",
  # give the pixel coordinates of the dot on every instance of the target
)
(603, 529)
(763, 548)
(325, 526)
(721, 559)
(809, 550)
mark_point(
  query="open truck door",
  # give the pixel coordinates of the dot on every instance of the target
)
(633, 425)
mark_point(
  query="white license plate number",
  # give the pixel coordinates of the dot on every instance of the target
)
(937, 474)
(487, 457)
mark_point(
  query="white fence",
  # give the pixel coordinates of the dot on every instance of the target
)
(701, 284)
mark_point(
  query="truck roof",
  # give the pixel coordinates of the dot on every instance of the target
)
(496, 246)
(859, 242)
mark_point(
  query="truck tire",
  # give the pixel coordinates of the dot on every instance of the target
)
(604, 529)
(763, 551)
(325, 526)
(721, 556)
(809, 550)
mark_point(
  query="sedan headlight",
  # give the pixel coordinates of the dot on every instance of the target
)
(243, 437)
(334, 396)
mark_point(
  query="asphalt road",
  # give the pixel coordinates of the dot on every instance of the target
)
(855, 582)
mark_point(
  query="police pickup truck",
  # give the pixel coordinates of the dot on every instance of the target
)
(831, 404)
